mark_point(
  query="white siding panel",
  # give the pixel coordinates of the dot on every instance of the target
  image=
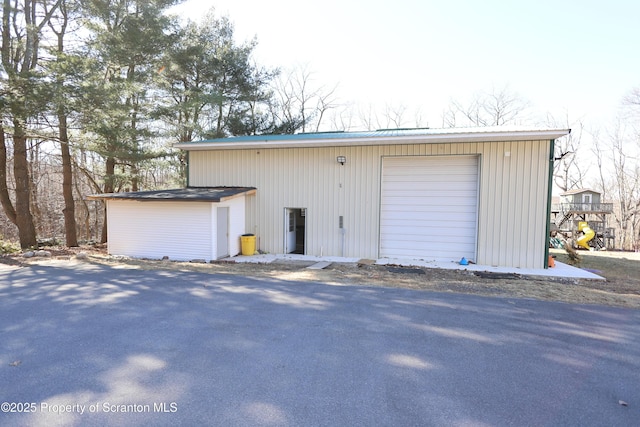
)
(237, 223)
(180, 230)
(429, 207)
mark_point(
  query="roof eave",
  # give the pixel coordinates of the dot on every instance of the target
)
(120, 197)
(133, 196)
(233, 196)
(579, 191)
(436, 138)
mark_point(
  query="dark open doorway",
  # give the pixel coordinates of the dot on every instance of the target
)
(295, 224)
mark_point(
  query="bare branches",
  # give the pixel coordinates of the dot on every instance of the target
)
(569, 168)
(391, 116)
(632, 99)
(618, 154)
(498, 107)
(300, 104)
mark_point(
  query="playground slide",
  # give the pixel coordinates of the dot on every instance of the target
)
(587, 236)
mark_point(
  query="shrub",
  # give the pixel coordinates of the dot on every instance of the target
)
(7, 247)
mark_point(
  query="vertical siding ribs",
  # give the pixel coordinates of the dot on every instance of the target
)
(510, 213)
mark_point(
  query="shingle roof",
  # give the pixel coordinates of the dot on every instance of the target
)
(379, 137)
(189, 194)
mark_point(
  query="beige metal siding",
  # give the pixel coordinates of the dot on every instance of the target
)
(303, 178)
(512, 220)
(512, 195)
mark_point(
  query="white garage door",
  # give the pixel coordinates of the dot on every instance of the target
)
(429, 207)
(179, 230)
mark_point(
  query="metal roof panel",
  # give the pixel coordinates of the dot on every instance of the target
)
(379, 137)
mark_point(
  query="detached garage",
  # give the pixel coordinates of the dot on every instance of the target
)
(425, 194)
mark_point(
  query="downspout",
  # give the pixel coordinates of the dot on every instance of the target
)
(552, 150)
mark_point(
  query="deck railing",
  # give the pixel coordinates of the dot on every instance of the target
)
(582, 207)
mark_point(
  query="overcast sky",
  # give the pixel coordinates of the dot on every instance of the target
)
(561, 55)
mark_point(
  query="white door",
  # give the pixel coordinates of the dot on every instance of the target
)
(290, 230)
(222, 232)
(429, 207)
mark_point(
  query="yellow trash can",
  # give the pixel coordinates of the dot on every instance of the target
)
(248, 244)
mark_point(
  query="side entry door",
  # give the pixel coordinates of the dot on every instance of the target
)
(290, 231)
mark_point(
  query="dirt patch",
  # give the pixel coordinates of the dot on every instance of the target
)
(621, 269)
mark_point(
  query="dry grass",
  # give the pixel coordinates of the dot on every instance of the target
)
(622, 271)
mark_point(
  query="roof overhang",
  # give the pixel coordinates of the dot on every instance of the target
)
(579, 191)
(189, 194)
(385, 137)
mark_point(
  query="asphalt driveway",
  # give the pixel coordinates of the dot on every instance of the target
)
(95, 345)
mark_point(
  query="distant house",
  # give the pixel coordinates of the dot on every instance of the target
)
(583, 205)
(429, 194)
(583, 197)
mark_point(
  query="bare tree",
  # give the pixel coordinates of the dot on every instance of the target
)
(632, 99)
(326, 101)
(569, 168)
(619, 176)
(394, 115)
(601, 154)
(391, 116)
(419, 120)
(300, 104)
(368, 117)
(342, 118)
(498, 107)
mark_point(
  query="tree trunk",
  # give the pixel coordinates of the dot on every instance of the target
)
(103, 235)
(24, 219)
(135, 177)
(7, 205)
(110, 171)
(69, 210)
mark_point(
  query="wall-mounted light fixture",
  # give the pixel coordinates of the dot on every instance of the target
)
(342, 160)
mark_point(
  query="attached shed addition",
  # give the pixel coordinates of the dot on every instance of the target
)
(183, 224)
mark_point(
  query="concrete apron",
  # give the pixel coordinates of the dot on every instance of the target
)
(561, 270)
